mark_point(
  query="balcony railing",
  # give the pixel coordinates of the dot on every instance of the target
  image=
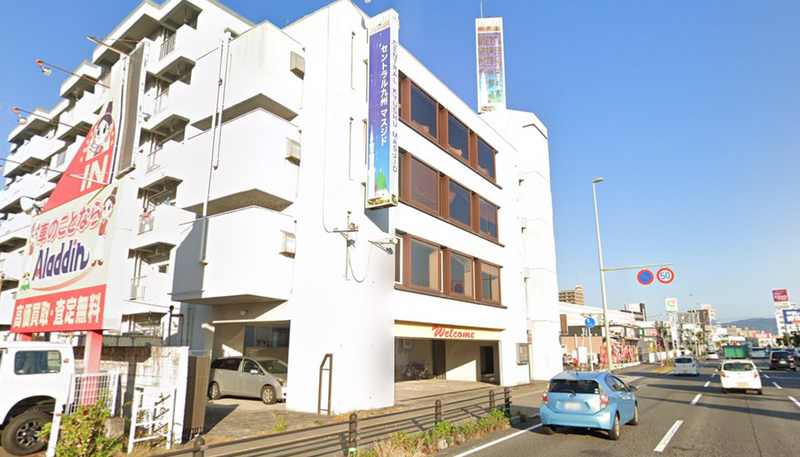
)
(162, 100)
(138, 287)
(167, 46)
(146, 222)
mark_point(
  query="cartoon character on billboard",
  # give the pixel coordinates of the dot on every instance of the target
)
(102, 135)
(108, 210)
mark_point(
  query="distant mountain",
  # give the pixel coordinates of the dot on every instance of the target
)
(759, 323)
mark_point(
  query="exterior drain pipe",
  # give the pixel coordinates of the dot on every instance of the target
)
(216, 136)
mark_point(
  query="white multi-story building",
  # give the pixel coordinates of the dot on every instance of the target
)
(246, 208)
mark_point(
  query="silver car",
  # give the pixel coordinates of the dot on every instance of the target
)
(261, 377)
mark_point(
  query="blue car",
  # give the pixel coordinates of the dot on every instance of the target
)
(589, 400)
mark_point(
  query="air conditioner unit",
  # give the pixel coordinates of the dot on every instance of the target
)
(297, 65)
(292, 151)
(289, 244)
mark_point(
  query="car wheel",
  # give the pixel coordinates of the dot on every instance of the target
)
(20, 437)
(635, 420)
(761, 391)
(724, 390)
(268, 395)
(213, 391)
(613, 434)
(549, 429)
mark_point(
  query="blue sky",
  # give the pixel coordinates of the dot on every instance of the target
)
(687, 108)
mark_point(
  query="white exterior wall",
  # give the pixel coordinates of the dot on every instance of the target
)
(529, 136)
(330, 314)
(336, 299)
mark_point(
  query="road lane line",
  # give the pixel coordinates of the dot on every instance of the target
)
(795, 401)
(707, 383)
(776, 385)
(696, 399)
(766, 375)
(665, 441)
(713, 374)
(480, 448)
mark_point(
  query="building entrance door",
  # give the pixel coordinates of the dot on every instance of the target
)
(487, 364)
(439, 367)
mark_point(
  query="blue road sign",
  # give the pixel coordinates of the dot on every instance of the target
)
(589, 322)
(645, 277)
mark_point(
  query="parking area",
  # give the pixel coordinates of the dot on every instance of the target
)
(231, 417)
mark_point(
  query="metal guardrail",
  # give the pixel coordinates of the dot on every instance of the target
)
(348, 436)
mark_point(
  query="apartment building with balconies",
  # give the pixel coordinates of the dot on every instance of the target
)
(245, 209)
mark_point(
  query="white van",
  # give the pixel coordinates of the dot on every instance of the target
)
(36, 379)
(686, 365)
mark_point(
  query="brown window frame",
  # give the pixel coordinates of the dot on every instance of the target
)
(443, 190)
(444, 274)
(448, 274)
(477, 206)
(441, 138)
(406, 276)
(479, 283)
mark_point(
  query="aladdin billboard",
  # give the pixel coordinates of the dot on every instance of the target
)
(491, 64)
(65, 263)
(382, 164)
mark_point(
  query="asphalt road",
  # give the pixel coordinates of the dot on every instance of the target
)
(711, 423)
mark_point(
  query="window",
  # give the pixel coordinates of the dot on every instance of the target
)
(488, 222)
(485, 158)
(231, 364)
(37, 362)
(460, 275)
(459, 199)
(457, 137)
(574, 387)
(490, 283)
(456, 278)
(424, 188)
(424, 265)
(274, 366)
(249, 365)
(424, 185)
(423, 111)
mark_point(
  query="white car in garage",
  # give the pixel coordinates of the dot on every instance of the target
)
(740, 374)
(686, 365)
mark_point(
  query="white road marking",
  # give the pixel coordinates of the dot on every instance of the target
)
(776, 385)
(665, 441)
(707, 383)
(713, 374)
(795, 401)
(766, 375)
(696, 399)
(480, 448)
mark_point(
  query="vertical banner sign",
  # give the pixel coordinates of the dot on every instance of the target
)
(382, 177)
(133, 88)
(491, 64)
(64, 268)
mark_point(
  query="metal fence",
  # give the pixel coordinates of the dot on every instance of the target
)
(93, 387)
(346, 437)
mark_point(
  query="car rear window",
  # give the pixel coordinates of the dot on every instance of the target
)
(780, 355)
(684, 360)
(738, 367)
(574, 386)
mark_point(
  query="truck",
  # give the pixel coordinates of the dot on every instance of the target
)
(36, 381)
(736, 352)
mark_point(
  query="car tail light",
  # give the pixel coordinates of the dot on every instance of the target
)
(755, 374)
(603, 401)
(544, 399)
(721, 374)
(694, 365)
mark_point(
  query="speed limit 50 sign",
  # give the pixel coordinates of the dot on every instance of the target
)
(665, 275)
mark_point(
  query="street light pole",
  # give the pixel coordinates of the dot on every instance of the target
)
(609, 360)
